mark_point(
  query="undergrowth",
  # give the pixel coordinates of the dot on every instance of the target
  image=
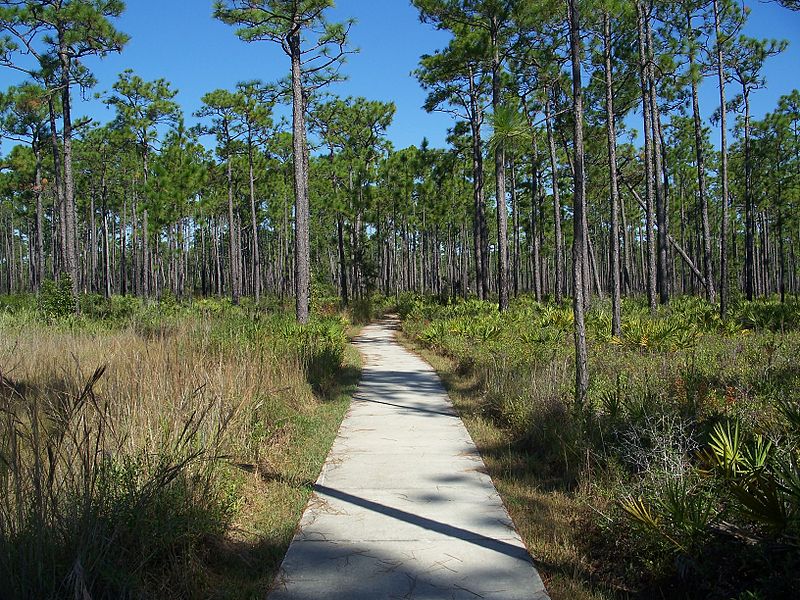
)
(150, 450)
(686, 455)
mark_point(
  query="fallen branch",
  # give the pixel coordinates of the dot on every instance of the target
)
(671, 239)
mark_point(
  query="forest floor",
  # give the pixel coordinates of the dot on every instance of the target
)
(245, 562)
(403, 506)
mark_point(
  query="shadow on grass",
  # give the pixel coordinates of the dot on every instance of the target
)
(243, 569)
(330, 383)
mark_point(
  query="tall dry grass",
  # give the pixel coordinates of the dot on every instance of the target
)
(118, 446)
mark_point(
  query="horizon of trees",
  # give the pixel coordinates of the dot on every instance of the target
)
(577, 125)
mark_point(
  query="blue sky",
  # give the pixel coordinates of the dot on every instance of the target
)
(178, 40)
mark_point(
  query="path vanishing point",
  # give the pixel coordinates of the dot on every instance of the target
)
(404, 507)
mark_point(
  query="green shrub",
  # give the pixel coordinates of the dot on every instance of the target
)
(56, 299)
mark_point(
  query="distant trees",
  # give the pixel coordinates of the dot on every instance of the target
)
(458, 84)
(356, 127)
(486, 27)
(542, 96)
(288, 23)
(647, 186)
(24, 118)
(59, 35)
(141, 107)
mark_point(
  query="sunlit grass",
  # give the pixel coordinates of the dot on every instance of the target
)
(657, 395)
(167, 452)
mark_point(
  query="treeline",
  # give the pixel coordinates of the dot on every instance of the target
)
(583, 118)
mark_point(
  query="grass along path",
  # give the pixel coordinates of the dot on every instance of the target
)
(246, 561)
(551, 521)
(167, 453)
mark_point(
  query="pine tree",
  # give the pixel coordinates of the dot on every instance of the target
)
(289, 23)
(59, 35)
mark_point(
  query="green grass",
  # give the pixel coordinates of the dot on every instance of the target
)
(160, 449)
(244, 563)
(551, 519)
(637, 493)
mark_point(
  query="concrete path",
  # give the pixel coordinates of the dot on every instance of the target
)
(403, 507)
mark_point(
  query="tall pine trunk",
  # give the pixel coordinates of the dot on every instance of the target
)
(578, 221)
(70, 234)
(749, 236)
(233, 263)
(302, 278)
(39, 256)
(58, 185)
(107, 282)
(254, 221)
(648, 156)
(662, 262)
(481, 246)
(723, 112)
(559, 238)
(702, 193)
(500, 179)
(616, 284)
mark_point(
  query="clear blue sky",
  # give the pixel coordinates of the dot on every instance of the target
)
(771, 21)
(178, 40)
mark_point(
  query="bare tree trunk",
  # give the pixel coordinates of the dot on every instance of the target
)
(58, 184)
(515, 228)
(535, 221)
(481, 246)
(579, 221)
(662, 264)
(723, 111)
(106, 256)
(301, 239)
(342, 259)
(500, 179)
(217, 260)
(627, 258)
(648, 156)
(70, 238)
(146, 258)
(559, 238)
(749, 237)
(781, 258)
(464, 261)
(93, 258)
(39, 252)
(123, 243)
(616, 284)
(593, 271)
(701, 169)
(257, 285)
(54, 242)
(233, 265)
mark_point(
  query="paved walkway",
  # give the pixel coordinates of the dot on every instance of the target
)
(403, 507)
